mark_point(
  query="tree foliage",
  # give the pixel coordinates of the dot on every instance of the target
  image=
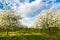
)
(9, 19)
(48, 19)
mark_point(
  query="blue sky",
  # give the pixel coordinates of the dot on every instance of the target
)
(29, 9)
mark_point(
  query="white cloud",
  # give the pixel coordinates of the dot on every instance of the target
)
(28, 7)
(27, 21)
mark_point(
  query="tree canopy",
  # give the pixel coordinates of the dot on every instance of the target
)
(48, 18)
(9, 19)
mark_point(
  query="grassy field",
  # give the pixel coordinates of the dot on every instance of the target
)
(29, 34)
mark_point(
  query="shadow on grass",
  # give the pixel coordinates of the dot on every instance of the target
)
(26, 37)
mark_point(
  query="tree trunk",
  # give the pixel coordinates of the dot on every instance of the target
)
(41, 30)
(49, 29)
(7, 32)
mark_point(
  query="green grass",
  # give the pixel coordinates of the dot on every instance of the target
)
(33, 34)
